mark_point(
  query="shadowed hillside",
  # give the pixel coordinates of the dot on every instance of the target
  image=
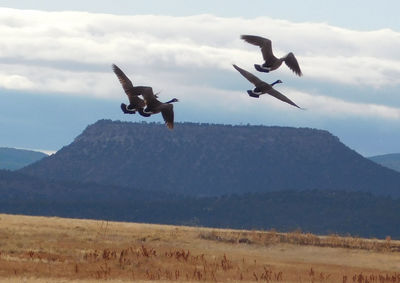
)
(312, 211)
(32, 191)
(207, 160)
(320, 212)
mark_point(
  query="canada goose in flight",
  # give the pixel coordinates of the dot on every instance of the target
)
(155, 106)
(271, 62)
(262, 87)
(135, 103)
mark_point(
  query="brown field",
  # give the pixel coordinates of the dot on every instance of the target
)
(40, 249)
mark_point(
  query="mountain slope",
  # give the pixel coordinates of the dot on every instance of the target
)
(391, 161)
(13, 159)
(210, 160)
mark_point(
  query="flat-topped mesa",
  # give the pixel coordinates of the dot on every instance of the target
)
(210, 159)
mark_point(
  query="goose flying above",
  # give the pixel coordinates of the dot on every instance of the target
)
(270, 61)
(262, 87)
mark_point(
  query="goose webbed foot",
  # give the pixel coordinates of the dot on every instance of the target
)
(126, 109)
(260, 68)
(252, 94)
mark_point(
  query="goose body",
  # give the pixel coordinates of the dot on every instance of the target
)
(154, 106)
(135, 102)
(262, 87)
(270, 61)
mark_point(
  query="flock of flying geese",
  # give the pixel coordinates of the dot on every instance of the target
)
(150, 105)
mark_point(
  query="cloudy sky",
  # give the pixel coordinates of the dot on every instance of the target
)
(56, 77)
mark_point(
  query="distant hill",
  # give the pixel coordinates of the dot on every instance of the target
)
(391, 161)
(13, 159)
(211, 160)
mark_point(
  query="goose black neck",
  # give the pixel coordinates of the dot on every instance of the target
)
(275, 82)
(172, 100)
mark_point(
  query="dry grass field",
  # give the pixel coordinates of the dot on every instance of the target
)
(40, 249)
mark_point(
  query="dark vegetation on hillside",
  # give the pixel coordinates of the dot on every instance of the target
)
(207, 160)
(15, 186)
(358, 214)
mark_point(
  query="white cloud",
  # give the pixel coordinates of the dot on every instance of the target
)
(71, 52)
(323, 105)
(13, 81)
(352, 70)
(47, 79)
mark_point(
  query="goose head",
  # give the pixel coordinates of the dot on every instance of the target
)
(276, 82)
(172, 100)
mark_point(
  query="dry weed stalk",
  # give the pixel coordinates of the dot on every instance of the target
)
(372, 278)
(147, 263)
(297, 237)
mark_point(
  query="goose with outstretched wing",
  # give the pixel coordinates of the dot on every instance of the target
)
(262, 87)
(270, 61)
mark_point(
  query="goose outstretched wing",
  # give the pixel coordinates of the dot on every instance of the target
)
(128, 87)
(264, 43)
(280, 96)
(249, 76)
(291, 62)
(168, 115)
(148, 95)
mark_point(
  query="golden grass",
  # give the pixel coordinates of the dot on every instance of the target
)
(40, 249)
